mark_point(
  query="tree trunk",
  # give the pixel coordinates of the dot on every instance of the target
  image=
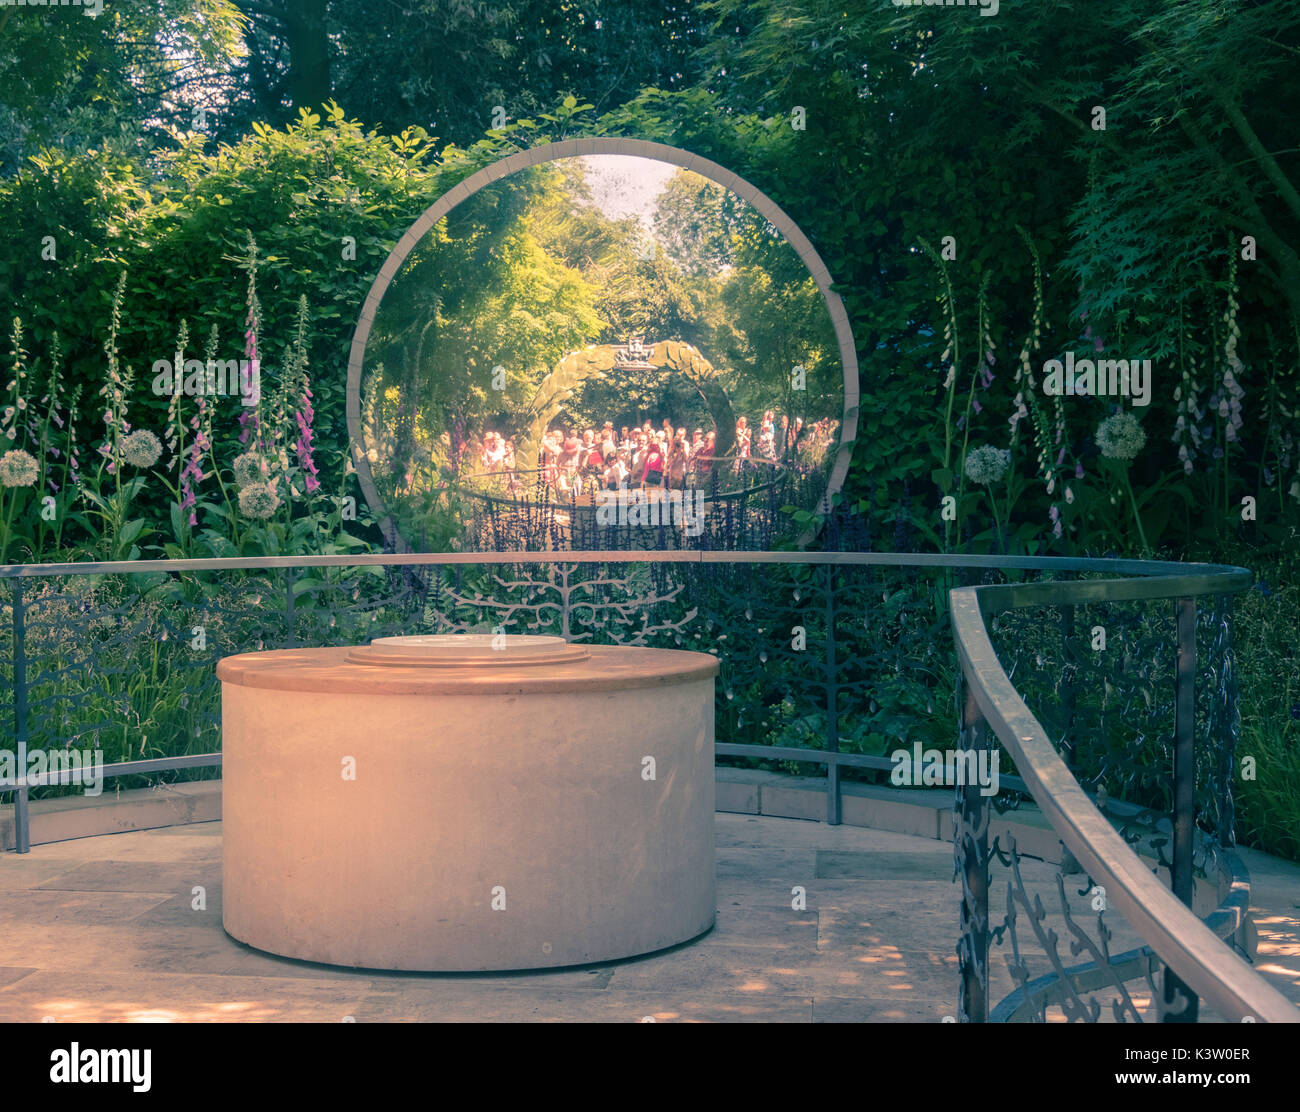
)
(308, 83)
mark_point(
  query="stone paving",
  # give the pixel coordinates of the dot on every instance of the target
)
(104, 929)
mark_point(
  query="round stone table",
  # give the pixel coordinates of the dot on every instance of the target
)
(465, 802)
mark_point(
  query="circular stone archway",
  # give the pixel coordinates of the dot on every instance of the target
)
(575, 148)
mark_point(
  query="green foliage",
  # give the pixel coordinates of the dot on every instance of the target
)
(111, 80)
(1266, 621)
(483, 291)
(312, 194)
(447, 65)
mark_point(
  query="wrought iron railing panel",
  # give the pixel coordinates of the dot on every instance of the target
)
(1125, 740)
(1101, 679)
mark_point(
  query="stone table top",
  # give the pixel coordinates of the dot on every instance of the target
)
(605, 668)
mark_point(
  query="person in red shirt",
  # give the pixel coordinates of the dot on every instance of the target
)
(702, 460)
(569, 465)
(652, 471)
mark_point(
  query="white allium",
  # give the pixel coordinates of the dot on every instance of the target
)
(141, 448)
(18, 469)
(987, 465)
(248, 468)
(257, 500)
(1120, 437)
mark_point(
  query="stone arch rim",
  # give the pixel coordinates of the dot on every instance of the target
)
(571, 148)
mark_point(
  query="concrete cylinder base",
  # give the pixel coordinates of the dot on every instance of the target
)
(387, 812)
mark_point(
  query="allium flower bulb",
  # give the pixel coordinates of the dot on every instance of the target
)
(987, 465)
(141, 449)
(258, 501)
(248, 469)
(18, 469)
(1121, 437)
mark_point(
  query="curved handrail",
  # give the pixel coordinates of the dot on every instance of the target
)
(1186, 944)
(1185, 578)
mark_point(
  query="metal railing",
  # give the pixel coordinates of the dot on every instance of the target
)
(1196, 962)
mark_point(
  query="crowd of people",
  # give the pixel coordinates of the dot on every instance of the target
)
(645, 457)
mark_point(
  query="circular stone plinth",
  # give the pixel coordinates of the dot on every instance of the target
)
(441, 804)
(468, 650)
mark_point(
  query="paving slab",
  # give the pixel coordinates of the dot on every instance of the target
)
(119, 948)
(163, 877)
(1278, 956)
(765, 927)
(1275, 911)
(920, 917)
(179, 910)
(857, 865)
(136, 845)
(739, 970)
(779, 866)
(12, 974)
(144, 997)
(27, 870)
(455, 1003)
(860, 1009)
(35, 906)
(886, 971)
